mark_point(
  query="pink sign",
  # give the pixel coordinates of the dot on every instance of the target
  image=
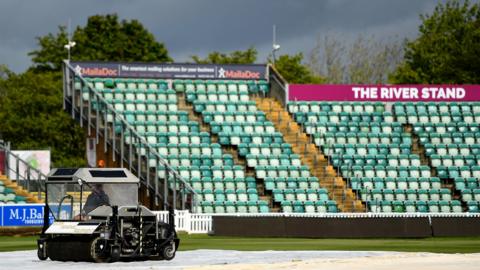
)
(404, 92)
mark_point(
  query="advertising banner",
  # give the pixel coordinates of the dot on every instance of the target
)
(170, 71)
(27, 214)
(385, 93)
(23, 215)
(38, 159)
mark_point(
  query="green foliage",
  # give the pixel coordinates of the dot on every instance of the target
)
(292, 70)
(248, 56)
(52, 51)
(104, 38)
(290, 67)
(32, 117)
(447, 50)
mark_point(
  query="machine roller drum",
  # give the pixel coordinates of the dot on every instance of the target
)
(71, 249)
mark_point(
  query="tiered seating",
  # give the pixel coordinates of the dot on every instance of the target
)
(246, 116)
(365, 141)
(150, 106)
(191, 87)
(450, 135)
(371, 150)
(8, 196)
(234, 118)
(436, 113)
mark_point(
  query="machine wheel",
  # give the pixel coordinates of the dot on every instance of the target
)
(168, 252)
(42, 254)
(99, 255)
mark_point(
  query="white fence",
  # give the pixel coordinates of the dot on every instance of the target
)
(188, 222)
(202, 223)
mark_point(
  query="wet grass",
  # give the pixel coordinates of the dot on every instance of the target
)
(13, 243)
(202, 241)
(434, 244)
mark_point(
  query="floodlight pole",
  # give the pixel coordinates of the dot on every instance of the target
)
(275, 46)
(70, 43)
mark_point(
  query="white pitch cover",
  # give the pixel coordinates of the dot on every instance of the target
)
(70, 228)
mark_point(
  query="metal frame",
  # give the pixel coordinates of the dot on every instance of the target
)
(279, 86)
(139, 152)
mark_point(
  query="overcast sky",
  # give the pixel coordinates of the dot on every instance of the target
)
(196, 27)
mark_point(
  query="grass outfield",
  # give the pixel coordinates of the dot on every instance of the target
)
(190, 242)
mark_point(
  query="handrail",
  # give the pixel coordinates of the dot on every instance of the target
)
(134, 136)
(278, 76)
(279, 86)
(40, 177)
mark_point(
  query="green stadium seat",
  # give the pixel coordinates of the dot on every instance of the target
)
(473, 207)
(219, 207)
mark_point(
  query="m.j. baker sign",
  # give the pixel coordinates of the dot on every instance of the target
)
(29, 214)
(311, 92)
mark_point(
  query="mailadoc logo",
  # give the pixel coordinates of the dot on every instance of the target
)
(238, 74)
(96, 71)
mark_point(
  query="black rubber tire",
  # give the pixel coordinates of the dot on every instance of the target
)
(97, 258)
(168, 252)
(41, 255)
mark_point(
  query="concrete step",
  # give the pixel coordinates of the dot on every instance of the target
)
(419, 149)
(310, 155)
(237, 159)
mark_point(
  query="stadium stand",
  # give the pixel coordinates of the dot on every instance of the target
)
(233, 123)
(152, 107)
(242, 151)
(239, 124)
(11, 193)
(448, 134)
(310, 154)
(400, 157)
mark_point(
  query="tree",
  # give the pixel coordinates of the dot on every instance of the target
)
(32, 117)
(52, 52)
(104, 38)
(326, 59)
(365, 60)
(293, 71)
(248, 56)
(447, 49)
(290, 67)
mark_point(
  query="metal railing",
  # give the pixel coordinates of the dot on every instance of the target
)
(278, 86)
(87, 106)
(24, 174)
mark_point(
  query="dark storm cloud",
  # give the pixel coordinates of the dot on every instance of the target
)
(197, 27)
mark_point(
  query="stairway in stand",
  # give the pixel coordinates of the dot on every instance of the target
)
(237, 160)
(419, 149)
(310, 155)
(30, 197)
